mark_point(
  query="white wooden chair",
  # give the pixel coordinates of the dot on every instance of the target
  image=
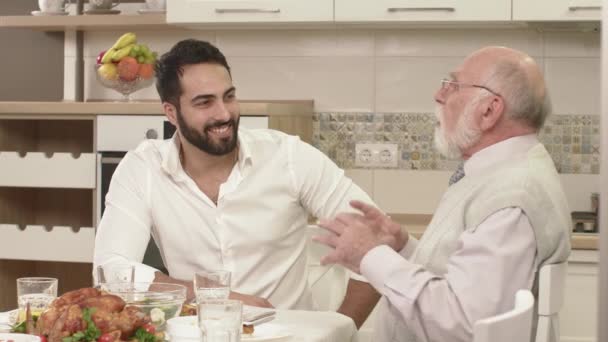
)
(327, 283)
(551, 288)
(511, 326)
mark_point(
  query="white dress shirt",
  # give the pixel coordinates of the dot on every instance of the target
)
(493, 261)
(257, 230)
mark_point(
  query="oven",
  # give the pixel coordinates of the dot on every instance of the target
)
(116, 135)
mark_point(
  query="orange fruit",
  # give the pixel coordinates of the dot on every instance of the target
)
(146, 71)
(128, 68)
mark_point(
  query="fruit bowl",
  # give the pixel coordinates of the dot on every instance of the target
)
(108, 76)
(161, 301)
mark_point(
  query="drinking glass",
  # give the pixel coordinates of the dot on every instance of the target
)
(38, 292)
(220, 320)
(115, 273)
(212, 284)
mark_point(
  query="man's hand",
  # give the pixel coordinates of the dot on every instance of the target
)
(251, 300)
(382, 221)
(354, 235)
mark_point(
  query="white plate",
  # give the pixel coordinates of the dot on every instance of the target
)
(267, 332)
(19, 337)
(151, 11)
(102, 12)
(39, 13)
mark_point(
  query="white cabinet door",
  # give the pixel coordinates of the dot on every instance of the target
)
(557, 10)
(578, 317)
(422, 10)
(248, 11)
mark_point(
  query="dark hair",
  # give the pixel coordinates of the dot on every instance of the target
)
(170, 66)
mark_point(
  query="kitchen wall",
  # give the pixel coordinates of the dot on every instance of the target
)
(377, 85)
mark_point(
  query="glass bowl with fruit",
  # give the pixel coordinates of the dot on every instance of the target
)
(126, 67)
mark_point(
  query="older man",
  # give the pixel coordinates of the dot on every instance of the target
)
(493, 228)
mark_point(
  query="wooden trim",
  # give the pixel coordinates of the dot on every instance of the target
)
(585, 241)
(68, 108)
(88, 22)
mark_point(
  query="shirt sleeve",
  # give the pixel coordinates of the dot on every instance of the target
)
(322, 187)
(124, 230)
(483, 274)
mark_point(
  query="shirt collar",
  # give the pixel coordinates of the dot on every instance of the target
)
(500, 152)
(171, 162)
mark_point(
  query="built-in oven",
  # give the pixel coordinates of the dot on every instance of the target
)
(116, 135)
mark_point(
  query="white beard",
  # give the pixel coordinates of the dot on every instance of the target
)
(465, 135)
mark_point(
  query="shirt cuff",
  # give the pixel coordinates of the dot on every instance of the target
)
(145, 273)
(379, 264)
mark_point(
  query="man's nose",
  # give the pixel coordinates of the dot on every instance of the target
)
(440, 96)
(222, 113)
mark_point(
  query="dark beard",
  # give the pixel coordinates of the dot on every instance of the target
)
(202, 141)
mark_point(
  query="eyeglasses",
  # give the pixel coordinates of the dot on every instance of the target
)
(451, 86)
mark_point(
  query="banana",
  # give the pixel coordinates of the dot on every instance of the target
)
(107, 57)
(124, 40)
(123, 52)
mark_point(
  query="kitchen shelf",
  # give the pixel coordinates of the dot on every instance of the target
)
(248, 107)
(87, 22)
(41, 170)
(47, 207)
(33, 243)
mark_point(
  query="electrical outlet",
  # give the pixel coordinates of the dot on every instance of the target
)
(376, 155)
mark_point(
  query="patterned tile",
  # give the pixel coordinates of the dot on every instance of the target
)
(572, 140)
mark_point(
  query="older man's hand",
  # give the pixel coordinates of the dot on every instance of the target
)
(356, 234)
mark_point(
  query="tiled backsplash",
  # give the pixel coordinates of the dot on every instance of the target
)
(572, 140)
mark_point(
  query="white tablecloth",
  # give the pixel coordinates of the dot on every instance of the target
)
(316, 326)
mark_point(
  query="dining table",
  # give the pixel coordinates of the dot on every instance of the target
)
(315, 326)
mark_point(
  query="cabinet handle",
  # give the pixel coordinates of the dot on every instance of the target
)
(578, 8)
(420, 9)
(247, 10)
(151, 134)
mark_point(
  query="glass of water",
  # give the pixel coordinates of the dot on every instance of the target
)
(220, 320)
(38, 292)
(212, 285)
(115, 273)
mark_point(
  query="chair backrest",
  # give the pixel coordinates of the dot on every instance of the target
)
(551, 288)
(514, 325)
(327, 283)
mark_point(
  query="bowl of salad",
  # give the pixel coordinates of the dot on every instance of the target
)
(161, 301)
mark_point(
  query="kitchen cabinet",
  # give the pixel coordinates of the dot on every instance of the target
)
(421, 10)
(248, 11)
(578, 317)
(557, 10)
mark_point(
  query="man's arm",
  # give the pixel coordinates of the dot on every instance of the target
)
(360, 300)
(483, 275)
(160, 277)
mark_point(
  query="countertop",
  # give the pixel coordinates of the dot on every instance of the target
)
(416, 224)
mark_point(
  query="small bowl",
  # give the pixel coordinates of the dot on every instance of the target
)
(161, 301)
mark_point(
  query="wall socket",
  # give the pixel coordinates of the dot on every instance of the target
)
(376, 155)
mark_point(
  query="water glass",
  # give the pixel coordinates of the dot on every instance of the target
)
(220, 320)
(115, 273)
(38, 292)
(212, 285)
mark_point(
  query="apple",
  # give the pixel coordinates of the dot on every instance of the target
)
(108, 71)
(100, 56)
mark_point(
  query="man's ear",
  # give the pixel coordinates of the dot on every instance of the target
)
(494, 110)
(170, 112)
